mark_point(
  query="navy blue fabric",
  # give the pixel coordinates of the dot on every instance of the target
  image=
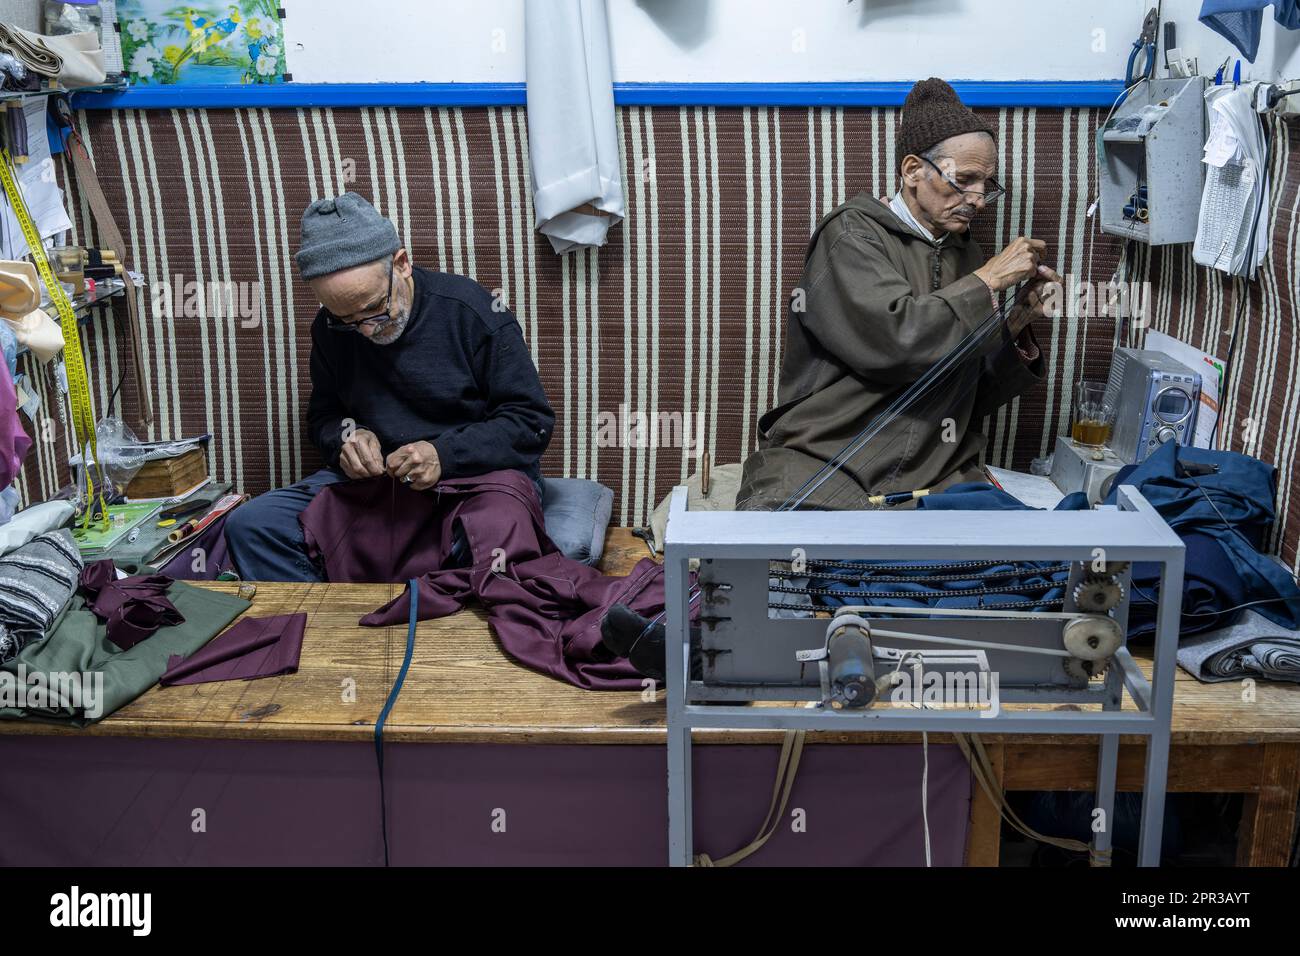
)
(1240, 20)
(1223, 568)
(1210, 584)
(1025, 583)
(1242, 490)
(971, 496)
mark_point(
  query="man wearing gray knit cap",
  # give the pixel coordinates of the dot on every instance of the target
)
(416, 374)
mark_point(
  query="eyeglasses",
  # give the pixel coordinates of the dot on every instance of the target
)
(992, 190)
(373, 322)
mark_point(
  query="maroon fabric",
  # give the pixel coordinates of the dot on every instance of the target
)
(545, 608)
(14, 443)
(252, 647)
(212, 542)
(132, 608)
(315, 803)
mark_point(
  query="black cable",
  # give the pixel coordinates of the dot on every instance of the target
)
(121, 378)
(1227, 610)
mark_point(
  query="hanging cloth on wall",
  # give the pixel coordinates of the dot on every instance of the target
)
(572, 141)
(1232, 231)
(14, 442)
(110, 238)
(1241, 20)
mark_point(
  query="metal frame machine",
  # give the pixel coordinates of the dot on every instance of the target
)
(831, 669)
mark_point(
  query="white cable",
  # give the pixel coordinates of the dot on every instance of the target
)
(925, 756)
(925, 793)
(851, 609)
(963, 642)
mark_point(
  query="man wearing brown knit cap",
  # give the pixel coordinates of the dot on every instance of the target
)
(889, 288)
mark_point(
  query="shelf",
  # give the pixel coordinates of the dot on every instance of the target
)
(9, 96)
(84, 303)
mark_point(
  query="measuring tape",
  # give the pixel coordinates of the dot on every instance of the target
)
(74, 363)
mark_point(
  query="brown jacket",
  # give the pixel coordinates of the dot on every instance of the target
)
(881, 305)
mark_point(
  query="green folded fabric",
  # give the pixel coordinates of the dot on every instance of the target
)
(77, 644)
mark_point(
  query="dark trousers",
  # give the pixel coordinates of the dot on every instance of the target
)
(265, 538)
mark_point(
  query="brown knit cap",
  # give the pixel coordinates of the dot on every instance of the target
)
(931, 113)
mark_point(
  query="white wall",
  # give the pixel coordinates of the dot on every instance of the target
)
(693, 41)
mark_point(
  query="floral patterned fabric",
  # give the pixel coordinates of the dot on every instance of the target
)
(237, 42)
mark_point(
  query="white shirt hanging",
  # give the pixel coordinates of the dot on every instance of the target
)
(572, 139)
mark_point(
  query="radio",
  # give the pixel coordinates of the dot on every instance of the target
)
(1155, 400)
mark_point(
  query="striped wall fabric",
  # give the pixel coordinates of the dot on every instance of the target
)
(675, 325)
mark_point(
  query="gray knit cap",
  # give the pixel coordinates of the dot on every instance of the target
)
(343, 232)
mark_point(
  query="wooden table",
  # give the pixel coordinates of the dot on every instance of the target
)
(461, 688)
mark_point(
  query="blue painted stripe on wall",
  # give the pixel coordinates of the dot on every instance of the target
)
(1047, 93)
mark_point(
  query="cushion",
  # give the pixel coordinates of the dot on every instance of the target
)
(577, 512)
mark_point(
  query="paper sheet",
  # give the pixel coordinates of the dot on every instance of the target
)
(1211, 369)
(40, 190)
(1037, 491)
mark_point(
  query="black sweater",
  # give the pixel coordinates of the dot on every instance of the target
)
(459, 376)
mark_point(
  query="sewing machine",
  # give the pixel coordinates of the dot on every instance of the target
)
(838, 669)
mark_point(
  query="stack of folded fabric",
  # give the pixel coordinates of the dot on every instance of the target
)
(78, 643)
(73, 60)
(36, 583)
(1254, 647)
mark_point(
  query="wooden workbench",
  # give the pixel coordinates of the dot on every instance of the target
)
(462, 689)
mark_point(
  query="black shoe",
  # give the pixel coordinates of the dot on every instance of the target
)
(625, 633)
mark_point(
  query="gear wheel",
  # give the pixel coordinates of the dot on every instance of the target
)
(1092, 637)
(1084, 671)
(1098, 595)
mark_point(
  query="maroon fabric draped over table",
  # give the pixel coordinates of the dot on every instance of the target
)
(250, 648)
(133, 608)
(544, 608)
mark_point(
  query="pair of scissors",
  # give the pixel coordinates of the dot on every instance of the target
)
(1144, 45)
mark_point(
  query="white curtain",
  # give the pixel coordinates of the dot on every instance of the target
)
(572, 143)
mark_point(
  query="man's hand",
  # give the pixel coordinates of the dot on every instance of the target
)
(361, 456)
(417, 461)
(1016, 263)
(1034, 305)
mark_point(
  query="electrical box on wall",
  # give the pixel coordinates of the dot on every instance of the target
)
(1151, 170)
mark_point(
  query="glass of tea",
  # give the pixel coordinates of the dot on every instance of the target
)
(1093, 415)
